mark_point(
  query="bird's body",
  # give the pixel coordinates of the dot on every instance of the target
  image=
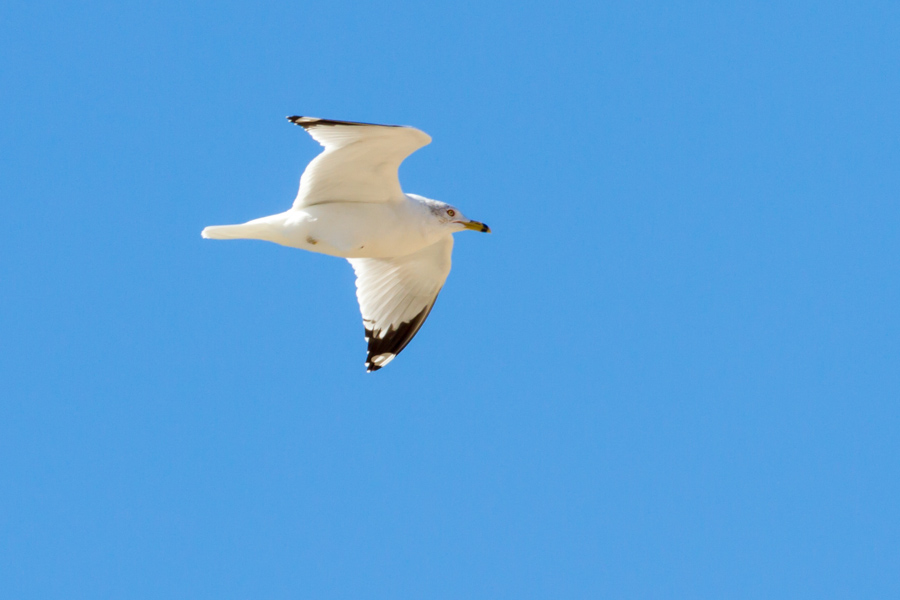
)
(350, 205)
(344, 229)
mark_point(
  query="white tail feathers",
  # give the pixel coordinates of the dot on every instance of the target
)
(224, 232)
(269, 229)
(258, 229)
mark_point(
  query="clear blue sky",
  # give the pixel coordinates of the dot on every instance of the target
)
(671, 372)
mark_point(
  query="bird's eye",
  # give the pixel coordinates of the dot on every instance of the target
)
(451, 212)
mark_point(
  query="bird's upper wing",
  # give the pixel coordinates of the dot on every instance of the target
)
(395, 296)
(359, 163)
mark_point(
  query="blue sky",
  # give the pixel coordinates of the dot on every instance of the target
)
(670, 372)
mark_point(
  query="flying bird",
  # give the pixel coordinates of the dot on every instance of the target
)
(350, 205)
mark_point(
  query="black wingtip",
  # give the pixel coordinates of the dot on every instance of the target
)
(303, 122)
(307, 122)
(385, 348)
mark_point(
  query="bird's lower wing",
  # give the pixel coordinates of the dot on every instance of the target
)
(395, 296)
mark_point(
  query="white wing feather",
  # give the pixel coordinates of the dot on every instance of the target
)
(395, 296)
(359, 163)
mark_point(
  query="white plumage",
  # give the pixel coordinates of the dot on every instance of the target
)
(359, 163)
(350, 204)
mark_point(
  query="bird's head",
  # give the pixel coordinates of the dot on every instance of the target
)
(453, 218)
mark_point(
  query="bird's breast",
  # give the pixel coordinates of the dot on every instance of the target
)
(358, 229)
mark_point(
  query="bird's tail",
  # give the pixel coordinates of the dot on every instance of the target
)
(257, 229)
(266, 228)
(225, 232)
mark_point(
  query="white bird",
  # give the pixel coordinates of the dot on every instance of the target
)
(350, 205)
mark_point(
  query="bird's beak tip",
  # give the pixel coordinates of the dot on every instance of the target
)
(476, 226)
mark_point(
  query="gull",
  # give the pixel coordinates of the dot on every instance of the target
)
(350, 205)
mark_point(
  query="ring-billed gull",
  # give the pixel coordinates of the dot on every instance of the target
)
(350, 205)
